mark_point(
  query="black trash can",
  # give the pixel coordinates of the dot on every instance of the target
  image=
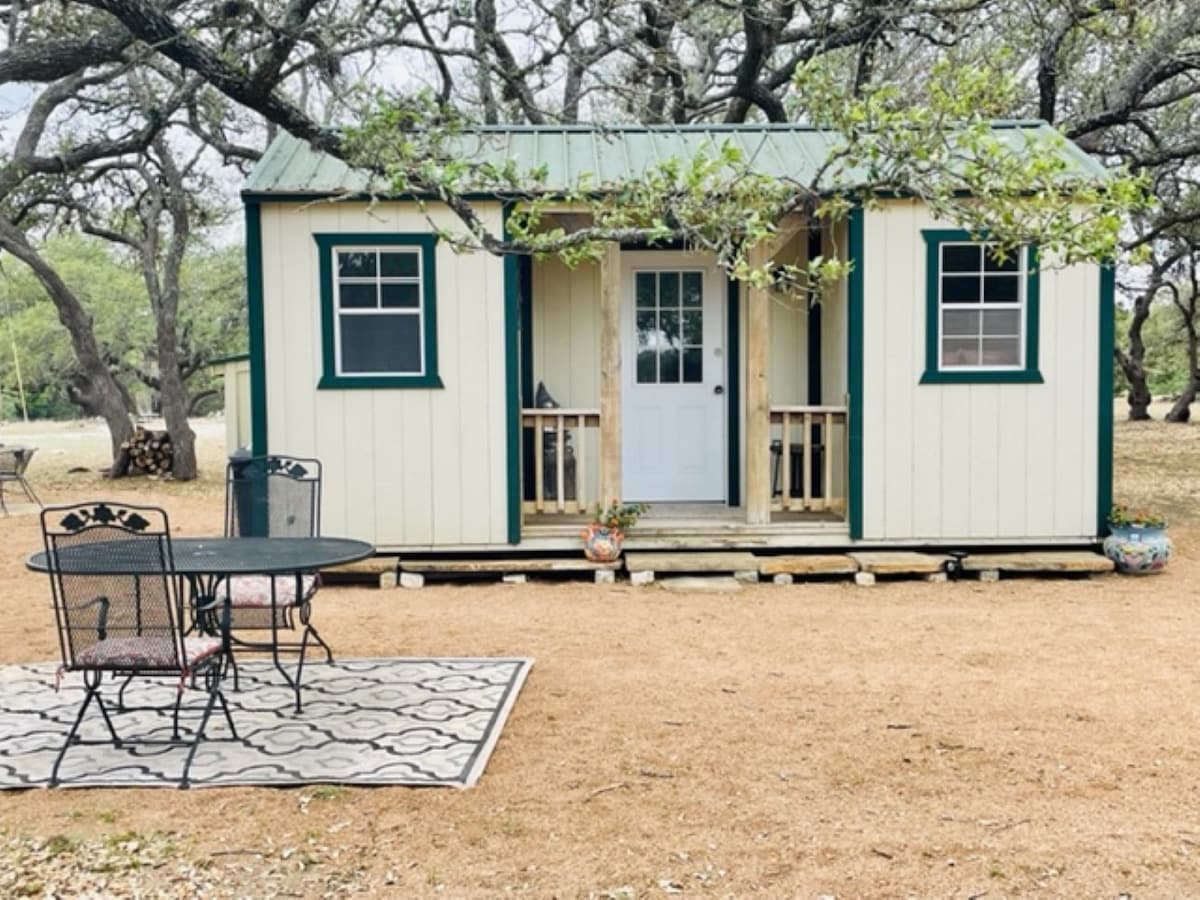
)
(248, 515)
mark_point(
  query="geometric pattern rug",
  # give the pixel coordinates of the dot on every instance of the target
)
(365, 721)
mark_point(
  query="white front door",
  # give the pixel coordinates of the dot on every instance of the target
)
(673, 362)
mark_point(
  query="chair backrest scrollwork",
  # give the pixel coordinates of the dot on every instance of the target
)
(273, 496)
(112, 577)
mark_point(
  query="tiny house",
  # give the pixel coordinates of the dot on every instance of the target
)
(471, 403)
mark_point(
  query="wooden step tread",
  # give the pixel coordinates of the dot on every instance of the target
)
(899, 562)
(691, 562)
(808, 564)
(372, 565)
(1033, 561)
(468, 566)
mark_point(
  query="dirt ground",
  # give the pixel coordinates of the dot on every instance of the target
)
(1029, 737)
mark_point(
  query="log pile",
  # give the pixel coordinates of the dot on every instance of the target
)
(146, 453)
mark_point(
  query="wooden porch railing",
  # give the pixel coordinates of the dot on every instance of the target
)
(803, 434)
(560, 459)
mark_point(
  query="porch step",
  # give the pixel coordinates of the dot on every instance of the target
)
(379, 570)
(808, 564)
(644, 567)
(928, 565)
(417, 569)
(899, 563)
(1050, 562)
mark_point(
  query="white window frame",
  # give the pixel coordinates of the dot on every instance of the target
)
(1021, 306)
(378, 280)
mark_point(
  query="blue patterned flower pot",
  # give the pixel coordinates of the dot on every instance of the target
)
(602, 544)
(1137, 549)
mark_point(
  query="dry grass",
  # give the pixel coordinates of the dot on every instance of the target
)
(963, 739)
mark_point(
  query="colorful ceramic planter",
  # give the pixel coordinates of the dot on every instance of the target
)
(602, 544)
(1137, 549)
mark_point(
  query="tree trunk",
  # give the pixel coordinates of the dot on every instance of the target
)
(174, 398)
(1181, 410)
(104, 395)
(170, 198)
(1133, 364)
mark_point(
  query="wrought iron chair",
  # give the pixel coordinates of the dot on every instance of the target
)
(272, 496)
(13, 463)
(116, 601)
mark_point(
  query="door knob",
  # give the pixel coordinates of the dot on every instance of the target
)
(719, 389)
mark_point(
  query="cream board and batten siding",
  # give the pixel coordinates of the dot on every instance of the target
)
(236, 377)
(973, 461)
(565, 315)
(403, 468)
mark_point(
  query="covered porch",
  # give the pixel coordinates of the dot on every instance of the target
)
(652, 377)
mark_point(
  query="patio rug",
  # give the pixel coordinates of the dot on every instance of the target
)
(365, 721)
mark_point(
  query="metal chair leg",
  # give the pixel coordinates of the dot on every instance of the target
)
(28, 490)
(91, 684)
(212, 683)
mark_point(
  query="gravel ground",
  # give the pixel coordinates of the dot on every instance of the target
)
(1029, 737)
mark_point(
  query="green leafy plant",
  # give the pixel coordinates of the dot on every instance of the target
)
(1121, 516)
(618, 515)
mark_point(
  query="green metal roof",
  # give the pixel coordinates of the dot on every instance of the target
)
(611, 153)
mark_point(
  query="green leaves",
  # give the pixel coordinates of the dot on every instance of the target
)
(1019, 185)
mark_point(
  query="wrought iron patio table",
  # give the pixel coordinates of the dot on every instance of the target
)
(207, 561)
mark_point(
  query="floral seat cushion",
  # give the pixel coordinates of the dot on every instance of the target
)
(254, 591)
(134, 652)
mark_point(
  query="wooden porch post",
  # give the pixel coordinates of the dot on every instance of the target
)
(610, 373)
(758, 420)
(758, 399)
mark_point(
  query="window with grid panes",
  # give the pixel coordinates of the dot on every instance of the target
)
(670, 327)
(982, 314)
(378, 297)
(377, 293)
(981, 301)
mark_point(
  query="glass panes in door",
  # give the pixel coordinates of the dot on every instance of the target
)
(669, 311)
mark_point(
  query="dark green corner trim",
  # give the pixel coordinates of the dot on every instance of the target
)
(733, 389)
(934, 238)
(1104, 442)
(815, 391)
(330, 380)
(257, 322)
(525, 276)
(854, 488)
(512, 386)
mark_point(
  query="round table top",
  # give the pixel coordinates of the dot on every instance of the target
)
(218, 556)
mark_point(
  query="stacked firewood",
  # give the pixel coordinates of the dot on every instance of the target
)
(146, 453)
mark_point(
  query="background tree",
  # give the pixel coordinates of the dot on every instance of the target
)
(1118, 77)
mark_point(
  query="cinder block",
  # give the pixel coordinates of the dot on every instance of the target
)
(989, 575)
(784, 578)
(937, 577)
(606, 576)
(515, 578)
(412, 580)
(640, 578)
(747, 576)
(387, 579)
(864, 579)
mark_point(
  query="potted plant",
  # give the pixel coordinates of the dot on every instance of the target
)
(605, 534)
(1137, 541)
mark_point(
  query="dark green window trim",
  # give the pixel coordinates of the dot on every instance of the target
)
(1029, 374)
(330, 379)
